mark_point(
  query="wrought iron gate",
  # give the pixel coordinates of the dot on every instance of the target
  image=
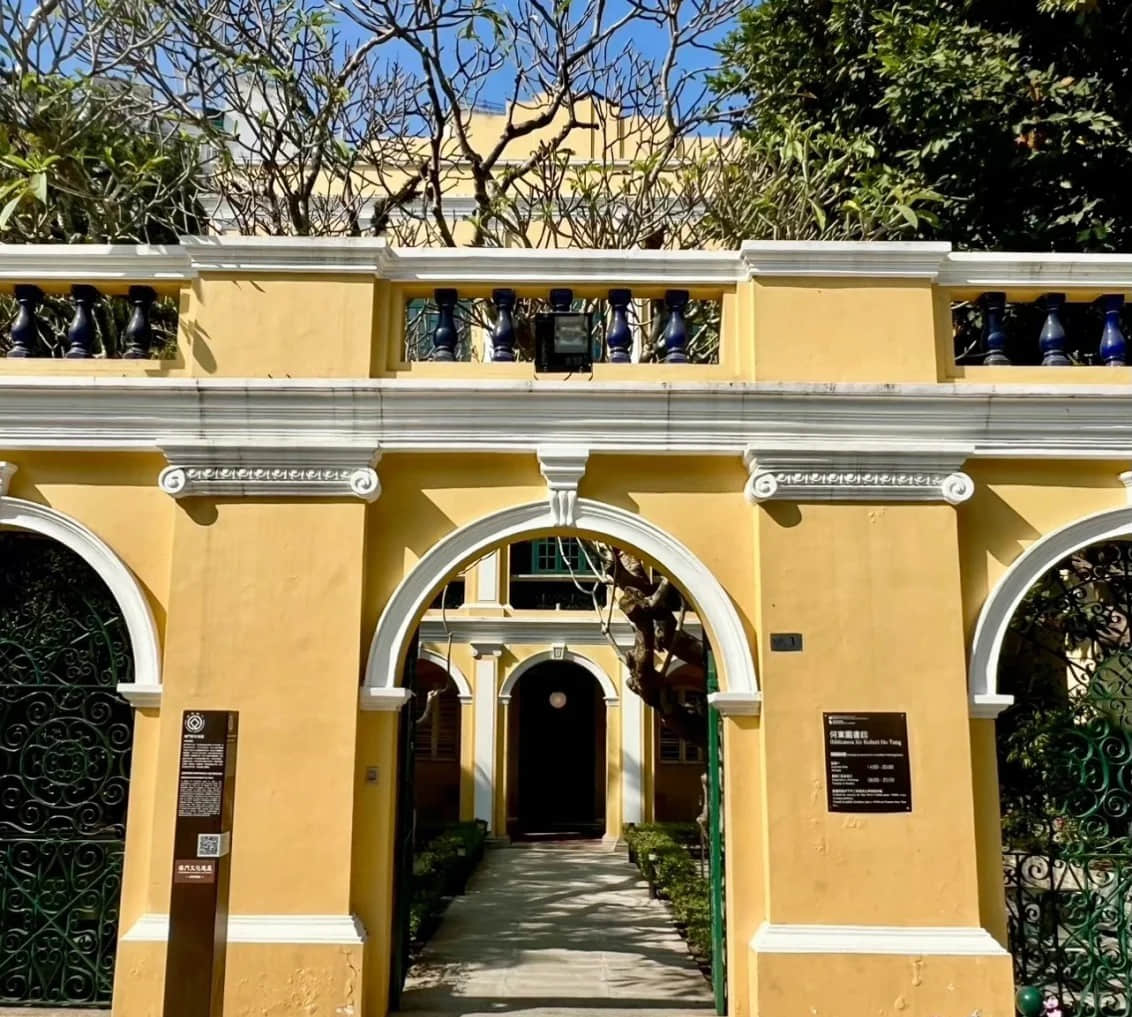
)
(1066, 774)
(65, 738)
(715, 844)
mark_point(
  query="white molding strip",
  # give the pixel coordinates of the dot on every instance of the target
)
(845, 258)
(493, 415)
(573, 628)
(306, 255)
(566, 267)
(849, 475)
(145, 690)
(994, 271)
(70, 263)
(910, 941)
(313, 929)
(247, 255)
(280, 471)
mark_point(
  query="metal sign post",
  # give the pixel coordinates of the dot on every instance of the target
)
(198, 902)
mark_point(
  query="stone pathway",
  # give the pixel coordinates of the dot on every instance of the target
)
(555, 930)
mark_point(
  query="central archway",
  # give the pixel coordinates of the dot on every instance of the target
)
(722, 624)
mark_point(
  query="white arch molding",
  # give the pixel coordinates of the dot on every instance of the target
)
(609, 690)
(722, 625)
(459, 679)
(1024, 571)
(145, 690)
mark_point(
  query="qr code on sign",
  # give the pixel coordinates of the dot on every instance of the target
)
(208, 845)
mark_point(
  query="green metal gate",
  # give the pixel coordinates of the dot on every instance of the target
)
(65, 738)
(1065, 758)
(715, 846)
(405, 835)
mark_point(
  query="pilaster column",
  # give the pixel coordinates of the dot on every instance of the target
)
(484, 590)
(486, 691)
(632, 754)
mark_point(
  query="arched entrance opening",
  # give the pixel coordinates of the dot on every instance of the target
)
(557, 753)
(385, 689)
(65, 741)
(1063, 661)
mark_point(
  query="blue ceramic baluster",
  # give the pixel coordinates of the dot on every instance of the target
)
(620, 338)
(503, 335)
(561, 299)
(444, 337)
(1112, 338)
(80, 334)
(1052, 339)
(138, 333)
(25, 329)
(675, 339)
(994, 307)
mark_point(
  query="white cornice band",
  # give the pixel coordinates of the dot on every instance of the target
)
(153, 927)
(851, 475)
(260, 471)
(905, 941)
(372, 256)
(491, 415)
(569, 628)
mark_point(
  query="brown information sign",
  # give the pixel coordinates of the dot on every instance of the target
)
(866, 762)
(198, 904)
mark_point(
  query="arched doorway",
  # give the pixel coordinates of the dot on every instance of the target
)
(557, 740)
(65, 740)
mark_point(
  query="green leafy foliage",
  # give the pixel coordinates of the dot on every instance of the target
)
(661, 852)
(440, 871)
(87, 162)
(1007, 119)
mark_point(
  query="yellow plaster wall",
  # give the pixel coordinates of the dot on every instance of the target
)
(293, 326)
(835, 330)
(874, 590)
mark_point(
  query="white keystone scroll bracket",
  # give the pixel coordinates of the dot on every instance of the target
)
(563, 466)
(853, 475)
(261, 471)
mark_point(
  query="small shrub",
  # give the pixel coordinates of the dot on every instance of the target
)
(661, 852)
(441, 869)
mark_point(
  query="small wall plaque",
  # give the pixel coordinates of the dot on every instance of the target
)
(786, 642)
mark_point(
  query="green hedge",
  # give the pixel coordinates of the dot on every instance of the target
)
(661, 852)
(440, 871)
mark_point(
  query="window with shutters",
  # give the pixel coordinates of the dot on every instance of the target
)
(674, 749)
(438, 738)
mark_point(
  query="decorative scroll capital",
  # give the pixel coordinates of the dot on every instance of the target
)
(6, 471)
(563, 466)
(852, 475)
(291, 471)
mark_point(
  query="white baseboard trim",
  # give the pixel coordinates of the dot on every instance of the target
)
(939, 941)
(154, 928)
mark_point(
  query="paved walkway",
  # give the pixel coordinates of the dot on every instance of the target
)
(556, 930)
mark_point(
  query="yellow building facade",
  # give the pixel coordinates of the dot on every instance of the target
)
(277, 508)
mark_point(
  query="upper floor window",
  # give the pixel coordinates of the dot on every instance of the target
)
(552, 574)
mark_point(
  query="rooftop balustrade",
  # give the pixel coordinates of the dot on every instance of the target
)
(771, 311)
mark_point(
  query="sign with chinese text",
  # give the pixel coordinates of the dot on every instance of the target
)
(866, 762)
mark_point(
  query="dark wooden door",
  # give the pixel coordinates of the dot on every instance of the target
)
(559, 752)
